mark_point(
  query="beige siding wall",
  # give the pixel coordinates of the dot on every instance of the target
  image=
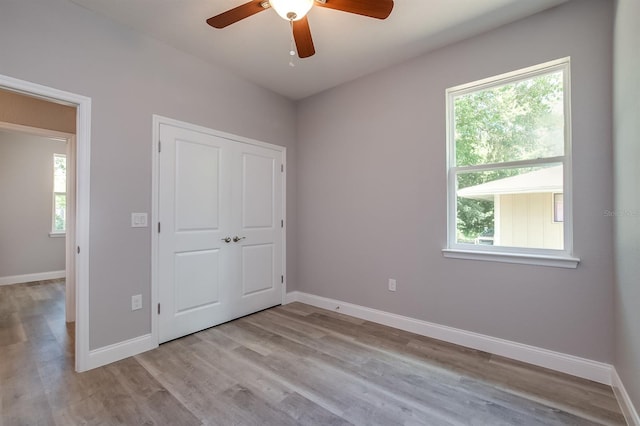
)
(526, 220)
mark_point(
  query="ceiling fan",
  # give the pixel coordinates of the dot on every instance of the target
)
(295, 11)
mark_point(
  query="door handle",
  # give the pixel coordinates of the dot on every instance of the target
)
(236, 239)
(226, 240)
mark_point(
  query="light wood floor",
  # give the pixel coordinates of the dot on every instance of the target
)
(290, 365)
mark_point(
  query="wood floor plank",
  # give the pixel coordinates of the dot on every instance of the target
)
(289, 365)
(255, 378)
(320, 381)
(307, 412)
(154, 400)
(255, 410)
(313, 339)
(11, 330)
(23, 398)
(475, 363)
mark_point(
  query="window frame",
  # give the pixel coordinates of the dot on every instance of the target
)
(526, 255)
(55, 232)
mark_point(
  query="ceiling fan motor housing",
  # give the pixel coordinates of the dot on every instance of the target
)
(292, 10)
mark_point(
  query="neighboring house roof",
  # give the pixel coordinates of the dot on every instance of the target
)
(544, 180)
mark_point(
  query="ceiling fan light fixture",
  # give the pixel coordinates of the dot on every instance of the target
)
(292, 10)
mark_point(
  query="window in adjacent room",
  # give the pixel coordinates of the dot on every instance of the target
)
(509, 162)
(59, 225)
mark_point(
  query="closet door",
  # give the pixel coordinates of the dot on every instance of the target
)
(220, 247)
(257, 224)
(194, 260)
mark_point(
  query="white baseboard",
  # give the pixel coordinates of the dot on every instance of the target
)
(116, 352)
(293, 296)
(629, 411)
(27, 278)
(557, 361)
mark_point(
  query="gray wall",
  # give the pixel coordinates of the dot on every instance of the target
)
(371, 199)
(129, 77)
(627, 182)
(370, 203)
(26, 185)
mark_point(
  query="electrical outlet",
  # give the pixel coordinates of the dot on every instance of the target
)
(138, 220)
(136, 302)
(392, 284)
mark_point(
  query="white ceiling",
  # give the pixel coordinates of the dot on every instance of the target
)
(347, 45)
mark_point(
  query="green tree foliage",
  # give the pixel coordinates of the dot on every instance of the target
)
(60, 209)
(517, 121)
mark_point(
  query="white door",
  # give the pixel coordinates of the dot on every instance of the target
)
(220, 242)
(257, 201)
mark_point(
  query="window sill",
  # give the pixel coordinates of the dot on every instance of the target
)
(521, 258)
(57, 234)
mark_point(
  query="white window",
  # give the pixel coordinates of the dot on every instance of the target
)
(509, 167)
(59, 222)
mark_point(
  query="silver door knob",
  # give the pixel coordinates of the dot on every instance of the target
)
(227, 240)
(236, 239)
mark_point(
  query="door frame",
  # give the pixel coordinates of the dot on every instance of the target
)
(82, 184)
(157, 121)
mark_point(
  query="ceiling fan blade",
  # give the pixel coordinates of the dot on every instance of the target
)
(380, 9)
(302, 36)
(236, 14)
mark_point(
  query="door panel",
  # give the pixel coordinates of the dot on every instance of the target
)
(197, 280)
(197, 167)
(257, 193)
(257, 268)
(194, 263)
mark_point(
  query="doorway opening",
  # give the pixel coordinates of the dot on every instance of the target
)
(25, 109)
(37, 182)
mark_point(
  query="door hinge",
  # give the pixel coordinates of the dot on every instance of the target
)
(158, 227)
(282, 168)
(282, 279)
(282, 223)
(78, 249)
(158, 309)
(159, 146)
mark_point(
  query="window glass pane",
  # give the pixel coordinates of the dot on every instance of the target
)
(558, 207)
(59, 212)
(523, 120)
(59, 173)
(510, 207)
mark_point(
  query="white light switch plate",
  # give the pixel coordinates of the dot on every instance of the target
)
(138, 220)
(136, 302)
(392, 284)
